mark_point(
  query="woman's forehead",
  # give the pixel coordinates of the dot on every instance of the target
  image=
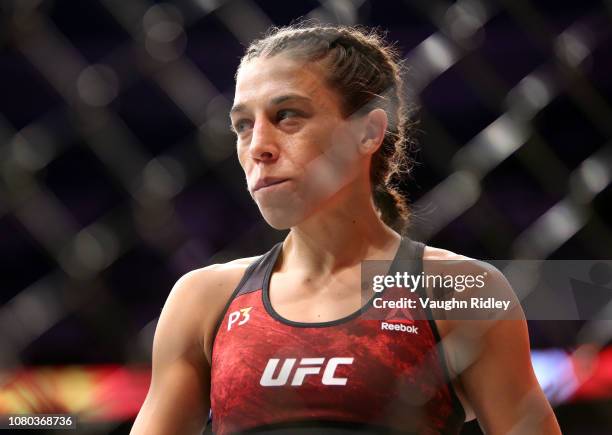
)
(264, 78)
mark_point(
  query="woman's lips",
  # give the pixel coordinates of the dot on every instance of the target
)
(267, 183)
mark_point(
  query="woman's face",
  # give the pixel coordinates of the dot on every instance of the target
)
(296, 149)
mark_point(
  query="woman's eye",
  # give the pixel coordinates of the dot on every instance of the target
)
(241, 125)
(284, 114)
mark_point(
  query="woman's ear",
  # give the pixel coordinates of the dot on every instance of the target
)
(374, 131)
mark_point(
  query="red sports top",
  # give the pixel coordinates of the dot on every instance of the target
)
(352, 375)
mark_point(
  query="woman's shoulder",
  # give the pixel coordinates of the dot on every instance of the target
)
(215, 281)
(199, 297)
(469, 279)
(454, 262)
(221, 271)
(434, 253)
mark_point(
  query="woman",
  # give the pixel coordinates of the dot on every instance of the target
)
(280, 343)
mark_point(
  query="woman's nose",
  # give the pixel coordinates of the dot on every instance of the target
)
(264, 145)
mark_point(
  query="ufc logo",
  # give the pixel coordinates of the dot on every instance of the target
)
(307, 366)
(235, 315)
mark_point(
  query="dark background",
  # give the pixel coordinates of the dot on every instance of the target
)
(118, 170)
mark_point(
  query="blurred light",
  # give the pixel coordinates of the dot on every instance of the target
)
(209, 5)
(34, 310)
(165, 52)
(438, 53)
(32, 148)
(491, 146)
(245, 19)
(595, 175)
(572, 46)
(14, 335)
(190, 90)
(217, 142)
(596, 331)
(165, 31)
(116, 146)
(39, 212)
(88, 251)
(18, 180)
(163, 177)
(597, 378)
(550, 230)
(502, 138)
(592, 176)
(337, 11)
(524, 276)
(159, 16)
(568, 216)
(98, 246)
(97, 85)
(217, 114)
(31, 313)
(155, 220)
(54, 56)
(555, 373)
(452, 197)
(464, 18)
(529, 96)
(95, 393)
(163, 26)
(428, 60)
(562, 221)
(92, 250)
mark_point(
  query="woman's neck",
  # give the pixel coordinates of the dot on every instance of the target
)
(339, 237)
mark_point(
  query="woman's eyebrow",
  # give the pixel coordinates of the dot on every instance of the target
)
(281, 99)
(237, 108)
(241, 107)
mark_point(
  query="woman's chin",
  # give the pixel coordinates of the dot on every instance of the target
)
(281, 219)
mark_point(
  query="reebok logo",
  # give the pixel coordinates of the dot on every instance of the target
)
(411, 329)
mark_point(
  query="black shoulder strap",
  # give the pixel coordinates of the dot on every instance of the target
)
(254, 276)
(252, 280)
(411, 253)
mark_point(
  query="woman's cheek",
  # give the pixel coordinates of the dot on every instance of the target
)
(325, 176)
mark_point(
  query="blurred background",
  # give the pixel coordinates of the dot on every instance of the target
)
(118, 173)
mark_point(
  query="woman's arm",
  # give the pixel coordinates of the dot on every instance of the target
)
(500, 383)
(178, 397)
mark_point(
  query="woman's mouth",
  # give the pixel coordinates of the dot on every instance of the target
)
(268, 183)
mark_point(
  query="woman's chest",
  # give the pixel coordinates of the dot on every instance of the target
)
(358, 369)
(315, 300)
